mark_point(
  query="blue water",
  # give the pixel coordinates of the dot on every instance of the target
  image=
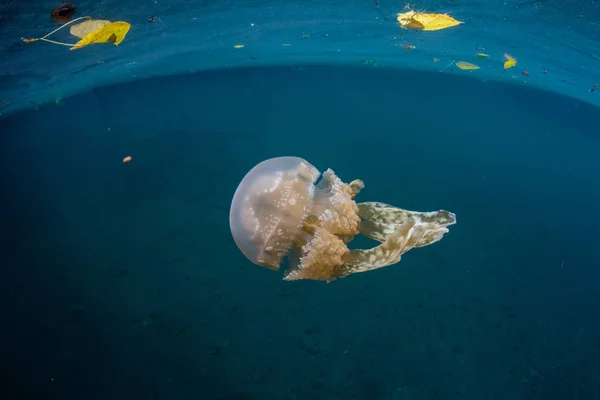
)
(121, 280)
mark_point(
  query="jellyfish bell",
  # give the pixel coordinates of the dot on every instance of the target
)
(63, 12)
(285, 208)
(269, 206)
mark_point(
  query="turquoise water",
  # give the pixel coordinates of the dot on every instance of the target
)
(557, 36)
(121, 280)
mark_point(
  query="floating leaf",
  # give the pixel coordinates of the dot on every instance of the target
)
(90, 32)
(86, 27)
(238, 46)
(426, 22)
(482, 55)
(113, 32)
(466, 66)
(510, 61)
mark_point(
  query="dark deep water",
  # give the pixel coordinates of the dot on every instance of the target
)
(122, 281)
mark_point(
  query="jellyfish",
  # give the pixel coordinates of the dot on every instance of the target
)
(284, 208)
(63, 12)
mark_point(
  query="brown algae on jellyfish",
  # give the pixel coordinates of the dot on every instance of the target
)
(284, 207)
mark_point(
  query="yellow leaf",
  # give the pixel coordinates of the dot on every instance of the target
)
(86, 27)
(426, 22)
(466, 66)
(238, 46)
(510, 61)
(113, 32)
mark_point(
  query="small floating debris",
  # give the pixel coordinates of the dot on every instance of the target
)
(126, 159)
(510, 61)
(466, 66)
(63, 12)
(482, 55)
(405, 46)
(238, 46)
(594, 87)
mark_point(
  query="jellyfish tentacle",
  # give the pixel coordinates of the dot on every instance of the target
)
(356, 186)
(379, 221)
(319, 258)
(387, 253)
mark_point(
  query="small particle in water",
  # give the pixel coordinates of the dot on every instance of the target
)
(238, 46)
(127, 159)
(482, 55)
(435, 59)
(545, 72)
(152, 19)
(305, 36)
(594, 87)
(525, 72)
(286, 44)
